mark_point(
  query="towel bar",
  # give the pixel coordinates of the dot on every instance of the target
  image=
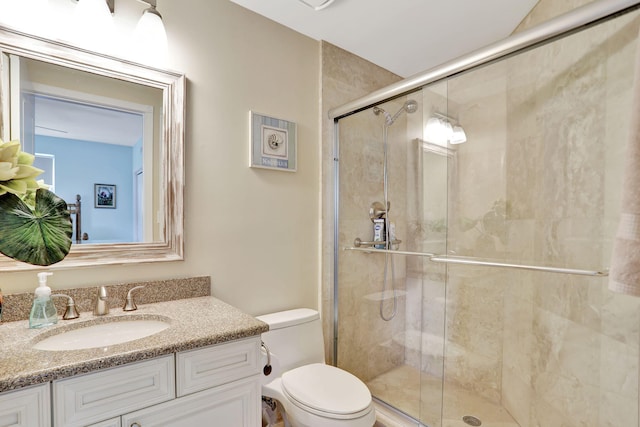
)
(451, 259)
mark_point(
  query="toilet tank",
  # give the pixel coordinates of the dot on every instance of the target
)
(294, 337)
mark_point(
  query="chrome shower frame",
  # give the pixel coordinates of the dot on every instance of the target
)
(556, 28)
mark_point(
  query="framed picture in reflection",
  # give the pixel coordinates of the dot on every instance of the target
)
(105, 195)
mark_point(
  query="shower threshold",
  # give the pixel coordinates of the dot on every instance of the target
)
(418, 395)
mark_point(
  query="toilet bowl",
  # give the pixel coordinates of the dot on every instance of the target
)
(310, 392)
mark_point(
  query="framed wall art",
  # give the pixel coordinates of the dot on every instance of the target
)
(104, 195)
(273, 143)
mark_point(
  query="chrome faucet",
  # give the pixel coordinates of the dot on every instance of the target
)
(130, 304)
(70, 311)
(102, 306)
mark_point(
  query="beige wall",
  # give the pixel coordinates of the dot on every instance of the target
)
(255, 232)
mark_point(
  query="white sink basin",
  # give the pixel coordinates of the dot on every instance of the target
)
(102, 335)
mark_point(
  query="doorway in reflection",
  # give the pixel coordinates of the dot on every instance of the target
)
(79, 145)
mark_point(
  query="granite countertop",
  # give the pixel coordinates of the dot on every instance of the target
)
(194, 323)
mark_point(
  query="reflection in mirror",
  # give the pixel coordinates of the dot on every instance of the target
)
(106, 131)
(86, 129)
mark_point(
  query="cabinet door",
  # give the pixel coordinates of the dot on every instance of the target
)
(235, 404)
(29, 407)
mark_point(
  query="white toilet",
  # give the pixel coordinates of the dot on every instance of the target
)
(312, 393)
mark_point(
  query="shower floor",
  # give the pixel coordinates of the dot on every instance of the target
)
(401, 388)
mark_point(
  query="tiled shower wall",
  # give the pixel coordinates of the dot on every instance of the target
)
(571, 346)
(345, 77)
(550, 128)
(369, 345)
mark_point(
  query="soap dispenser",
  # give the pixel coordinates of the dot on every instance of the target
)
(43, 312)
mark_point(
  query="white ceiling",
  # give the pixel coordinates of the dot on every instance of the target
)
(84, 122)
(403, 36)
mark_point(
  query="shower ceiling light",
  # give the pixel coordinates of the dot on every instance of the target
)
(458, 136)
(447, 129)
(440, 131)
(433, 132)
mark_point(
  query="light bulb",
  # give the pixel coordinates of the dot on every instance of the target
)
(458, 136)
(93, 25)
(447, 130)
(433, 132)
(150, 40)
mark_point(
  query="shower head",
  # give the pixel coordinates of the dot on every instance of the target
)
(410, 106)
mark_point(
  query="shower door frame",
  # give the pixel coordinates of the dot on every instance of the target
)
(577, 20)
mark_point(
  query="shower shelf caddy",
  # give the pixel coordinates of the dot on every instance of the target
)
(451, 259)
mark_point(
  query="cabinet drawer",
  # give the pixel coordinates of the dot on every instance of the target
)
(29, 407)
(232, 405)
(113, 422)
(219, 364)
(94, 397)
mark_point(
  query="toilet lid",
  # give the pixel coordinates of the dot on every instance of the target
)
(326, 388)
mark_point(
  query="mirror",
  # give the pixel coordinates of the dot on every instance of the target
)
(107, 130)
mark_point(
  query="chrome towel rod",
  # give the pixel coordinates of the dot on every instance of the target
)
(567, 23)
(451, 259)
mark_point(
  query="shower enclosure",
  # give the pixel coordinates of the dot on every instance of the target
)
(485, 300)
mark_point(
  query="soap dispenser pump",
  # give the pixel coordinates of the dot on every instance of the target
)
(43, 312)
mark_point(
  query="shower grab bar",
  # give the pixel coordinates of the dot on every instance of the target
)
(450, 259)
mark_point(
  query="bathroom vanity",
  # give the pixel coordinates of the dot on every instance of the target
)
(205, 366)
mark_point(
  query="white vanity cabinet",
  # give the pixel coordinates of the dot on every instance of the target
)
(231, 405)
(27, 407)
(217, 385)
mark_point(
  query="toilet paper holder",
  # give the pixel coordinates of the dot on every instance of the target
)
(267, 368)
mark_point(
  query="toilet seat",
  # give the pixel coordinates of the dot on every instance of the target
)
(327, 391)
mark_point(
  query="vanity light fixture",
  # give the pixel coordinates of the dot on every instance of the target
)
(150, 36)
(439, 130)
(111, 5)
(151, 9)
(93, 25)
(458, 136)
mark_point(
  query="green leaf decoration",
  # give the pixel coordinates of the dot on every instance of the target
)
(41, 236)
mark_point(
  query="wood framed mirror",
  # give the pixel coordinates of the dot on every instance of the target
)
(85, 147)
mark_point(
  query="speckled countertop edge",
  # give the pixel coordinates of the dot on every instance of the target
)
(194, 323)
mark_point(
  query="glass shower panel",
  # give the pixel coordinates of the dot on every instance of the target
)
(379, 295)
(435, 168)
(538, 182)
